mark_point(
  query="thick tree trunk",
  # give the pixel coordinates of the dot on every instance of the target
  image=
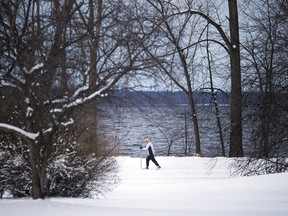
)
(37, 172)
(236, 149)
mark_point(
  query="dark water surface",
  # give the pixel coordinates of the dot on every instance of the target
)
(166, 125)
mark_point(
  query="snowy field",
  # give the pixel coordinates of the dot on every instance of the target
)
(184, 186)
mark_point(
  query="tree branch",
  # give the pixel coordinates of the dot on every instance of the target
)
(18, 131)
(212, 22)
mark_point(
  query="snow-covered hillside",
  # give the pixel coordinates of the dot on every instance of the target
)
(184, 186)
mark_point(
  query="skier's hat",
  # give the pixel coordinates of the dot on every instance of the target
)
(148, 139)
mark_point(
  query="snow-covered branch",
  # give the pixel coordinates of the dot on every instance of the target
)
(35, 68)
(62, 124)
(4, 83)
(20, 132)
(83, 100)
(79, 90)
(69, 122)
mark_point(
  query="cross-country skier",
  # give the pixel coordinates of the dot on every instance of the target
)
(150, 153)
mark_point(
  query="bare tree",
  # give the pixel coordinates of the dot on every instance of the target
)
(186, 13)
(175, 54)
(44, 53)
(232, 45)
(266, 74)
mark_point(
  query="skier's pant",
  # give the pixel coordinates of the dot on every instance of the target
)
(149, 157)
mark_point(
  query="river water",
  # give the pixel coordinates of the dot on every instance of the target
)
(170, 128)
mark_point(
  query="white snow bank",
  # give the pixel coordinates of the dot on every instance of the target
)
(184, 186)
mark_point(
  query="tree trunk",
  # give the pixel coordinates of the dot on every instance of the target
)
(185, 133)
(37, 173)
(94, 28)
(236, 149)
(195, 124)
(191, 103)
(218, 120)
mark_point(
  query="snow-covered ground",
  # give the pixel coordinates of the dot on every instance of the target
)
(184, 186)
